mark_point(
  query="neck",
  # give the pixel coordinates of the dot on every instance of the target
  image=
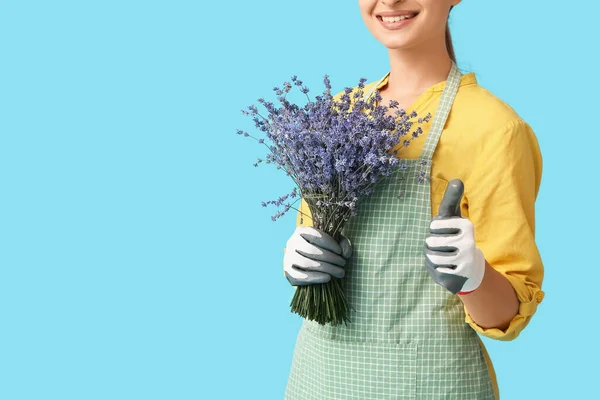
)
(414, 70)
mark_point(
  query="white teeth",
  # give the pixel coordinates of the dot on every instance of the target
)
(397, 18)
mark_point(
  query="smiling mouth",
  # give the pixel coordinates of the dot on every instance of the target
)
(397, 18)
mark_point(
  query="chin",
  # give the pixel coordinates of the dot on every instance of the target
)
(395, 43)
(398, 40)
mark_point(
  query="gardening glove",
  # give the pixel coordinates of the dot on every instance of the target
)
(313, 256)
(451, 257)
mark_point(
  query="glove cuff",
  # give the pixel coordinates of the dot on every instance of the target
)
(478, 271)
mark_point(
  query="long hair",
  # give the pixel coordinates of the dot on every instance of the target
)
(449, 45)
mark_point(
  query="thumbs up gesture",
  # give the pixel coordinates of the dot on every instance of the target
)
(451, 257)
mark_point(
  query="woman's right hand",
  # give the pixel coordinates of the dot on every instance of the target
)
(313, 256)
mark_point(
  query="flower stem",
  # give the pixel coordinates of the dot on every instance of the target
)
(322, 302)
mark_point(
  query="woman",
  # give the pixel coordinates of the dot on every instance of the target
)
(427, 264)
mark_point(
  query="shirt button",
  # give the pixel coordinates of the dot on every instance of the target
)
(539, 296)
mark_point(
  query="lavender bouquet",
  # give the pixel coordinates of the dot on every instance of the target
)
(335, 151)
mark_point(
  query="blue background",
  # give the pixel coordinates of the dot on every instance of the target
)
(136, 261)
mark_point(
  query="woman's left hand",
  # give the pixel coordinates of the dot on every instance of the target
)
(451, 257)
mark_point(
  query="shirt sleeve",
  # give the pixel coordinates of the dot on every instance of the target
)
(303, 216)
(501, 192)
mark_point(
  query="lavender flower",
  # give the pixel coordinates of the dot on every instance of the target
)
(333, 149)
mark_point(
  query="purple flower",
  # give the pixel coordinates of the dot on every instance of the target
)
(335, 149)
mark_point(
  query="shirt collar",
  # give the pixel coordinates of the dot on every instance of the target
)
(466, 79)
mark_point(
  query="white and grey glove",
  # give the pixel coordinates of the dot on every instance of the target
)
(451, 256)
(313, 256)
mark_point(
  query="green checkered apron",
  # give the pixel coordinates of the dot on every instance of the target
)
(408, 338)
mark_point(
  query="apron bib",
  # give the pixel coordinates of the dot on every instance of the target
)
(408, 338)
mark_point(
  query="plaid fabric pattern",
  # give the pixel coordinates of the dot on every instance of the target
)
(408, 338)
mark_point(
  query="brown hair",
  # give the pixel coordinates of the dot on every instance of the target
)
(449, 45)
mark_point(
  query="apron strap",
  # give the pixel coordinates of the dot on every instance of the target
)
(441, 113)
(375, 86)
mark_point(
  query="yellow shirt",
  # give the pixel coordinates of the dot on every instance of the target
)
(496, 154)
